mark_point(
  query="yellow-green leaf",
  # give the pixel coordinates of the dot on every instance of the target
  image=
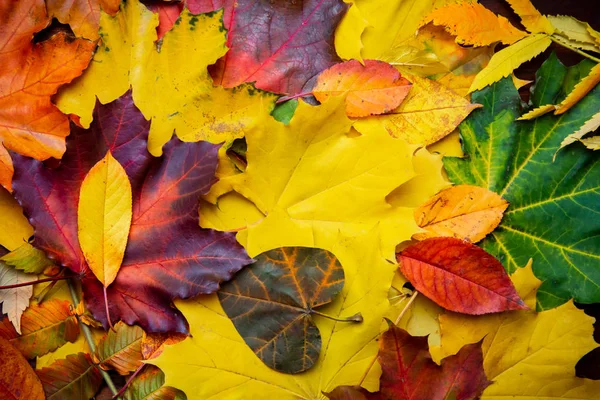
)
(537, 112)
(580, 90)
(574, 30)
(104, 217)
(507, 60)
(28, 259)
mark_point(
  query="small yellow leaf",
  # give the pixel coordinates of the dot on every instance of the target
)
(537, 112)
(592, 143)
(473, 24)
(580, 90)
(589, 126)
(429, 112)
(507, 60)
(348, 44)
(565, 41)
(531, 18)
(104, 217)
(464, 211)
(14, 227)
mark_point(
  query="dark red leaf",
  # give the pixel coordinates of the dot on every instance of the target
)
(408, 373)
(459, 276)
(168, 255)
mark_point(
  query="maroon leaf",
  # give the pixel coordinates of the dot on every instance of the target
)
(459, 276)
(410, 374)
(168, 255)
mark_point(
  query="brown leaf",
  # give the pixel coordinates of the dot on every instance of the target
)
(18, 381)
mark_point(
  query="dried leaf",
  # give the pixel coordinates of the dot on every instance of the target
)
(464, 211)
(574, 31)
(409, 372)
(45, 328)
(104, 217)
(167, 254)
(73, 378)
(120, 349)
(27, 259)
(288, 282)
(16, 300)
(429, 112)
(17, 379)
(31, 73)
(508, 59)
(375, 88)
(473, 24)
(459, 276)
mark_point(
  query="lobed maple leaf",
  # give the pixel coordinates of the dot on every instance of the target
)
(31, 73)
(168, 255)
(410, 374)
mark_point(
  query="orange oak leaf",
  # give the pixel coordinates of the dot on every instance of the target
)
(18, 381)
(44, 328)
(31, 73)
(408, 373)
(83, 16)
(373, 88)
(459, 276)
(465, 212)
(473, 24)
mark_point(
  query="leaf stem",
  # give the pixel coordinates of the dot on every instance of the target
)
(107, 312)
(576, 50)
(353, 318)
(90, 341)
(18, 285)
(131, 378)
(404, 310)
(296, 96)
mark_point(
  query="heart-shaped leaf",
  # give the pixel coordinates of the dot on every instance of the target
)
(271, 304)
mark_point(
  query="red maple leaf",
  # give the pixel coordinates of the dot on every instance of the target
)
(168, 255)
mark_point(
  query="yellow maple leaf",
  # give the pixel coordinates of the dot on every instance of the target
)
(429, 112)
(169, 78)
(348, 44)
(473, 24)
(329, 191)
(504, 62)
(526, 354)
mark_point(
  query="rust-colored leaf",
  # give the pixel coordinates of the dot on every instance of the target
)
(373, 88)
(459, 276)
(17, 379)
(31, 73)
(120, 349)
(465, 212)
(75, 377)
(154, 343)
(45, 327)
(271, 303)
(410, 374)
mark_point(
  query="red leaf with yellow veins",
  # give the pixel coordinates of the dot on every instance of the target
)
(31, 73)
(168, 255)
(410, 374)
(44, 328)
(459, 276)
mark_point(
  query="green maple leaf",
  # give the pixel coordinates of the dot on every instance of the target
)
(554, 213)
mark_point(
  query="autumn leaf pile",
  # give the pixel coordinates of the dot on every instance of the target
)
(343, 199)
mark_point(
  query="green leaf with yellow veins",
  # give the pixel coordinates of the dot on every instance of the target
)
(548, 200)
(169, 78)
